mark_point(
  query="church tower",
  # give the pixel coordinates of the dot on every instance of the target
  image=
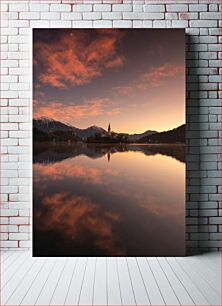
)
(109, 130)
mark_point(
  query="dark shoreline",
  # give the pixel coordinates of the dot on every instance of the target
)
(47, 151)
(106, 143)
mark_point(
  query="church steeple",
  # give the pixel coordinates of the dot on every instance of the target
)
(109, 129)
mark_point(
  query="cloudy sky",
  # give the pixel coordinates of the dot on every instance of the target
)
(134, 79)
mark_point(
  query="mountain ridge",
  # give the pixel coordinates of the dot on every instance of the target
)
(45, 124)
(176, 135)
(46, 129)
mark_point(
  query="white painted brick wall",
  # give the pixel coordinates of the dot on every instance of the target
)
(201, 18)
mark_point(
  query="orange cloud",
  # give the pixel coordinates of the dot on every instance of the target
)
(153, 78)
(156, 76)
(58, 110)
(76, 58)
(115, 63)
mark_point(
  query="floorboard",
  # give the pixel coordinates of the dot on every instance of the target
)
(213, 279)
(126, 289)
(24, 286)
(113, 285)
(47, 291)
(37, 285)
(75, 285)
(61, 290)
(189, 284)
(168, 292)
(180, 291)
(208, 292)
(153, 290)
(86, 294)
(18, 277)
(211, 261)
(194, 280)
(139, 288)
(11, 261)
(5, 255)
(13, 269)
(100, 283)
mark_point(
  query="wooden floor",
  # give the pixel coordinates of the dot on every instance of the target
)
(110, 281)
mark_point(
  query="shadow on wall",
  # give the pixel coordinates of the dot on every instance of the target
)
(194, 224)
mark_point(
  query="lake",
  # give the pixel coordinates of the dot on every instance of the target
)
(108, 200)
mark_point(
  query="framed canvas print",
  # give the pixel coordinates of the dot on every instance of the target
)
(109, 142)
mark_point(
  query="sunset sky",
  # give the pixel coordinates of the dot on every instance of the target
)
(132, 79)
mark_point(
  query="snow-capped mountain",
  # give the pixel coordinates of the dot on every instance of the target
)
(50, 126)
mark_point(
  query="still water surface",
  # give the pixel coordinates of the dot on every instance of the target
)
(105, 200)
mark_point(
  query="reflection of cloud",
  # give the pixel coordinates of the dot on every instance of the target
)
(153, 78)
(59, 171)
(148, 200)
(153, 204)
(76, 58)
(110, 210)
(51, 154)
(75, 216)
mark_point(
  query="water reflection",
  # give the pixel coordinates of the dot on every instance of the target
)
(102, 200)
(48, 152)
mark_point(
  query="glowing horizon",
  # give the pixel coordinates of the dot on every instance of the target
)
(106, 127)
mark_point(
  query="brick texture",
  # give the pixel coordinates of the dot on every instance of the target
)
(201, 20)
